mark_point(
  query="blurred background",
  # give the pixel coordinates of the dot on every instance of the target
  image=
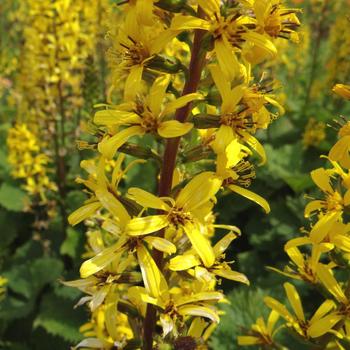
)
(54, 67)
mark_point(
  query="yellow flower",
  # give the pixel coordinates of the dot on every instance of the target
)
(190, 262)
(229, 34)
(144, 115)
(330, 208)
(135, 46)
(183, 213)
(175, 305)
(319, 324)
(261, 333)
(242, 113)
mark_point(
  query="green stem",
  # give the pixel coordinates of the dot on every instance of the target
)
(169, 164)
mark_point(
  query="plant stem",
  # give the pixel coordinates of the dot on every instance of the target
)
(169, 163)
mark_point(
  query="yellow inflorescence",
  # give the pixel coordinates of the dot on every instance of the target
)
(28, 161)
(328, 250)
(180, 68)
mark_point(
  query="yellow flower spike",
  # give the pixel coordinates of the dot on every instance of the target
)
(153, 279)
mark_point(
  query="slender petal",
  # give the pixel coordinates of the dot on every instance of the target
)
(147, 200)
(201, 311)
(148, 224)
(294, 300)
(109, 146)
(153, 279)
(182, 101)
(83, 213)
(198, 191)
(252, 196)
(161, 244)
(173, 128)
(200, 244)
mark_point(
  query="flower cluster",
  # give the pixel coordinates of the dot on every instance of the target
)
(28, 162)
(59, 38)
(154, 272)
(318, 258)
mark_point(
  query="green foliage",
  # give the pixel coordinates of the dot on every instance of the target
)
(56, 317)
(12, 198)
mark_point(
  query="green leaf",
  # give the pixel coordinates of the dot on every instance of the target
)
(12, 198)
(72, 244)
(58, 318)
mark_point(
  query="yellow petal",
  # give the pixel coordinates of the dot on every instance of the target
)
(231, 275)
(201, 311)
(211, 7)
(83, 213)
(101, 260)
(188, 22)
(157, 93)
(296, 256)
(312, 207)
(183, 262)
(173, 128)
(223, 85)
(200, 244)
(331, 284)
(161, 244)
(153, 279)
(326, 307)
(181, 102)
(323, 325)
(147, 200)
(197, 297)
(109, 146)
(248, 340)
(146, 225)
(294, 300)
(273, 318)
(221, 246)
(114, 117)
(279, 308)
(261, 41)
(323, 226)
(255, 145)
(198, 191)
(112, 204)
(227, 59)
(224, 136)
(133, 83)
(341, 149)
(252, 196)
(296, 242)
(322, 180)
